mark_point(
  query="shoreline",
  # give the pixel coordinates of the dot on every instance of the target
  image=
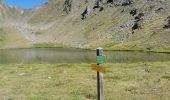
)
(155, 50)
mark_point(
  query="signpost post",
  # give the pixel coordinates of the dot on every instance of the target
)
(100, 59)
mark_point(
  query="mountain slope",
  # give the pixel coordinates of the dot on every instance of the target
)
(10, 37)
(113, 24)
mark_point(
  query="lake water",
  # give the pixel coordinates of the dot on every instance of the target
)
(52, 56)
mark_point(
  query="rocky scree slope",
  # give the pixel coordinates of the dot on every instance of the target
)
(113, 24)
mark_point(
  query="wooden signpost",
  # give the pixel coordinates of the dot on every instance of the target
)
(100, 59)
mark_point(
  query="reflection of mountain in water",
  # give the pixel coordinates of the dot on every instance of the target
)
(75, 56)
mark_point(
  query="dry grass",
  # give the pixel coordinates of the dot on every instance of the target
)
(13, 39)
(123, 81)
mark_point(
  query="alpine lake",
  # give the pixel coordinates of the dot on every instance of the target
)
(60, 55)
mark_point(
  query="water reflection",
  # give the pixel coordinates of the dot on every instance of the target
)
(74, 56)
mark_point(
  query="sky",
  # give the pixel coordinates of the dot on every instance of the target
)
(25, 4)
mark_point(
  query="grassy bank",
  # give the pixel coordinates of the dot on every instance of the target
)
(54, 45)
(123, 81)
(50, 45)
(131, 48)
(156, 50)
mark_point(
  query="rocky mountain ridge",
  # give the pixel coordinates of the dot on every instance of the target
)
(111, 24)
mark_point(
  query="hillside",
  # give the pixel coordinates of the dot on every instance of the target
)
(112, 24)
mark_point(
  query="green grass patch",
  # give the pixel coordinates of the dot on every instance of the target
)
(112, 46)
(50, 45)
(124, 48)
(38, 33)
(1, 34)
(123, 81)
(161, 50)
(2, 37)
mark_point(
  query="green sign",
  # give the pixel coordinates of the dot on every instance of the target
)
(100, 59)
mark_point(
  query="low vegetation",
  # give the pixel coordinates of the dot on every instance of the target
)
(113, 47)
(49, 45)
(123, 81)
(11, 38)
(2, 37)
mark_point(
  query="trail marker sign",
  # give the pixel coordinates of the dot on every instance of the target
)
(100, 59)
(98, 68)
